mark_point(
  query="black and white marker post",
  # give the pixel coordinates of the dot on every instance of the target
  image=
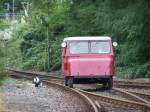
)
(36, 81)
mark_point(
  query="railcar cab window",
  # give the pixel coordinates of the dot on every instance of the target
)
(78, 47)
(92, 47)
(100, 47)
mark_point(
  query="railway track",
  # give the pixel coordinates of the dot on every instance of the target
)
(114, 92)
(140, 94)
(132, 84)
(123, 99)
(90, 106)
(118, 103)
(138, 88)
(88, 102)
(136, 103)
(117, 83)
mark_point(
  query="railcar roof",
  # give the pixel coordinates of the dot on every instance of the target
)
(88, 38)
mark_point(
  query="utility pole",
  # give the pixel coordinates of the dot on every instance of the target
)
(49, 49)
(13, 9)
(45, 23)
(26, 8)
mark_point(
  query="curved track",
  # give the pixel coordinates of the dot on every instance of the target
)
(90, 106)
(88, 102)
(136, 103)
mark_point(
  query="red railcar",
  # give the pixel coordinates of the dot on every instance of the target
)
(88, 60)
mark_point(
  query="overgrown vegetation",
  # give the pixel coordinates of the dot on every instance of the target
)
(3, 25)
(126, 21)
(3, 51)
(2, 61)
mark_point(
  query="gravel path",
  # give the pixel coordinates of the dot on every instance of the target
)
(24, 97)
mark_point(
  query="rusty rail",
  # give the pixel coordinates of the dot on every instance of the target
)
(134, 84)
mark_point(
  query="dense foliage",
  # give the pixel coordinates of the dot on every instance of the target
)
(2, 60)
(3, 51)
(126, 21)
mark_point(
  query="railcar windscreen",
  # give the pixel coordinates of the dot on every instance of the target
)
(79, 47)
(100, 47)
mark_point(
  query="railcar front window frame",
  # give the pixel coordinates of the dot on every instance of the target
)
(89, 47)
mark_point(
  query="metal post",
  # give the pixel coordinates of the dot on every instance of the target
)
(44, 61)
(45, 23)
(13, 9)
(48, 38)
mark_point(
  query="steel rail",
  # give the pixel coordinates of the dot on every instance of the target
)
(140, 94)
(50, 75)
(131, 82)
(58, 75)
(131, 96)
(91, 106)
(133, 86)
(122, 103)
(119, 102)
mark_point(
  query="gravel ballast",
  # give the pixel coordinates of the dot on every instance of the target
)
(22, 96)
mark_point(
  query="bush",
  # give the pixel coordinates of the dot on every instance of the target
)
(137, 71)
(2, 62)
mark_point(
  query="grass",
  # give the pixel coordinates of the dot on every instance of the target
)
(2, 94)
(9, 80)
(2, 98)
(3, 75)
